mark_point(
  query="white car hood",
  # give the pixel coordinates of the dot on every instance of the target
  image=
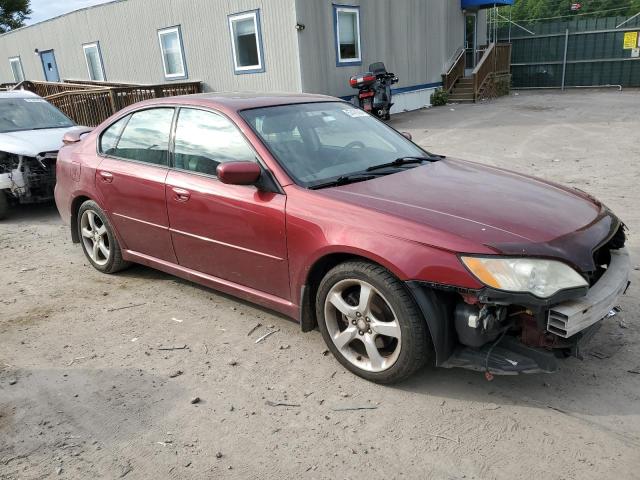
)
(32, 142)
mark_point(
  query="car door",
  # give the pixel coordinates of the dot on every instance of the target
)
(131, 180)
(232, 232)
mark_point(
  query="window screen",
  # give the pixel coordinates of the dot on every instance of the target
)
(16, 69)
(246, 42)
(348, 34)
(94, 62)
(172, 56)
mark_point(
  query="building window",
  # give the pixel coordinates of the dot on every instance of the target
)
(172, 53)
(347, 25)
(16, 69)
(93, 57)
(246, 42)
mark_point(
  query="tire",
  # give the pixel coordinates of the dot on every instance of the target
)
(92, 220)
(4, 205)
(389, 321)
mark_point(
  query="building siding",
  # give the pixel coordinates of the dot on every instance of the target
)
(127, 32)
(416, 44)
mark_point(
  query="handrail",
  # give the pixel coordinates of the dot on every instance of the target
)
(459, 53)
(456, 71)
(496, 60)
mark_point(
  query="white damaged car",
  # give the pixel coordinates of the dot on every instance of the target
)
(31, 131)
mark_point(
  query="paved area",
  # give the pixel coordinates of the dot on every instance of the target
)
(87, 389)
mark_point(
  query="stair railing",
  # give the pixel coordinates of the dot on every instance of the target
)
(455, 72)
(495, 61)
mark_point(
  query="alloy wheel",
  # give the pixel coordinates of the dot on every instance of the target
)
(95, 238)
(363, 325)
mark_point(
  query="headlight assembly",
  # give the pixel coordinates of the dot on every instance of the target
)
(542, 278)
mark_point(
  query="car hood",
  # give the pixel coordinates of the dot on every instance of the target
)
(32, 142)
(511, 213)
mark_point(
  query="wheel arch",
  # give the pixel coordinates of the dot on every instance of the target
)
(316, 273)
(435, 306)
(76, 203)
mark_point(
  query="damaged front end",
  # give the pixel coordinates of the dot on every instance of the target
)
(28, 179)
(500, 332)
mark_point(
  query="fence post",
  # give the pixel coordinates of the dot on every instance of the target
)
(564, 61)
(112, 101)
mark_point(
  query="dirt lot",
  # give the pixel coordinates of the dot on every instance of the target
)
(86, 390)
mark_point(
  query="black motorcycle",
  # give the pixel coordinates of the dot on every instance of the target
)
(374, 90)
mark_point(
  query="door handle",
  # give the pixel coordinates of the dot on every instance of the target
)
(106, 177)
(180, 194)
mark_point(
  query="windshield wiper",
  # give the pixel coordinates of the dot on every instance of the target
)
(345, 179)
(404, 161)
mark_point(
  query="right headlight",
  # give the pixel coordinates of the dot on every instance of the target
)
(540, 277)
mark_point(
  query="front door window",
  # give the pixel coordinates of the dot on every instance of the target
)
(470, 22)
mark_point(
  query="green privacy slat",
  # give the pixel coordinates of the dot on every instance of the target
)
(592, 58)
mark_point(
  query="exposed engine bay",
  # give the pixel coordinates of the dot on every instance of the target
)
(27, 179)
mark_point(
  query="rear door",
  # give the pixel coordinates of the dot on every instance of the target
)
(233, 232)
(131, 180)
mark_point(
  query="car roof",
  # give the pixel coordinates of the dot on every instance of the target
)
(18, 94)
(236, 101)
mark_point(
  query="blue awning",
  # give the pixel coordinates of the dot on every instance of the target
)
(478, 4)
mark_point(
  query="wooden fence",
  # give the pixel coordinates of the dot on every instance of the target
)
(90, 103)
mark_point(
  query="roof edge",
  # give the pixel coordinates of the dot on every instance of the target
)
(60, 16)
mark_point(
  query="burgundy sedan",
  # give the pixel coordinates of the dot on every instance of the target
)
(312, 207)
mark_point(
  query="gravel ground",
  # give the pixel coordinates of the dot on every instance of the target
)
(88, 389)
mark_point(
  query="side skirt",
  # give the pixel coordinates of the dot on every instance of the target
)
(278, 304)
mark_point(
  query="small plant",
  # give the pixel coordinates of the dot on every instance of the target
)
(439, 98)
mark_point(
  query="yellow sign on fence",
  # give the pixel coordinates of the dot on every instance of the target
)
(630, 40)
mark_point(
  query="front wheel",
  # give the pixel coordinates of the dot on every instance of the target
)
(371, 324)
(98, 240)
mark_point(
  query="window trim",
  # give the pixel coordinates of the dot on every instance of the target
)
(255, 15)
(85, 47)
(336, 37)
(173, 76)
(19, 61)
(130, 114)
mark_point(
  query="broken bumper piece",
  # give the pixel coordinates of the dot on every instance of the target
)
(572, 316)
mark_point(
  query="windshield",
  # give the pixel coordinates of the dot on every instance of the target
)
(318, 142)
(18, 114)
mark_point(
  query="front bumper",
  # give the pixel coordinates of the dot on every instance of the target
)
(572, 316)
(557, 329)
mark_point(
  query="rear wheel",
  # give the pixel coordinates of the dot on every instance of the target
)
(4, 205)
(370, 322)
(98, 241)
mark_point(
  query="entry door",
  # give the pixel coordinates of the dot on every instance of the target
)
(470, 41)
(50, 66)
(233, 232)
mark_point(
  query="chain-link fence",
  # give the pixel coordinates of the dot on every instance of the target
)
(579, 52)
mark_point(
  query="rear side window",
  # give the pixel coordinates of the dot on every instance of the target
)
(204, 140)
(146, 137)
(111, 135)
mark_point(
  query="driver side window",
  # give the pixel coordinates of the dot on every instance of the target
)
(204, 140)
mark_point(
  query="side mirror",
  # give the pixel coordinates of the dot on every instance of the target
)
(407, 135)
(239, 173)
